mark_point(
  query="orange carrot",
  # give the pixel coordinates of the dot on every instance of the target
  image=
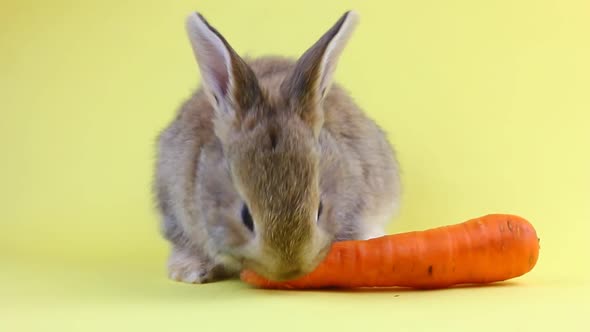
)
(483, 250)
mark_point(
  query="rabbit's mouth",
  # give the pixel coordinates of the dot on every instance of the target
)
(285, 273)
(260, 269)
(263, 270)
(323, 253)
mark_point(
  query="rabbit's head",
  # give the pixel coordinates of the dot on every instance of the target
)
(270, 143)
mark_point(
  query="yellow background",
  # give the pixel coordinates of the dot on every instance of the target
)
(487, 103)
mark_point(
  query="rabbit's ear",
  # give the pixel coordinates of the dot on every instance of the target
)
(228, 80)
(313, 72)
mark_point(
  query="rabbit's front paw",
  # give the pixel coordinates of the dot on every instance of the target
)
(185, 266)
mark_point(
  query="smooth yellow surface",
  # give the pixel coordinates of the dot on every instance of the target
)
(487, 103)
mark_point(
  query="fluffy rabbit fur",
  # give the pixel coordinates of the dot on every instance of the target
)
(269, 162)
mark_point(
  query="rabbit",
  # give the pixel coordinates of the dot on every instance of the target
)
(268, 163)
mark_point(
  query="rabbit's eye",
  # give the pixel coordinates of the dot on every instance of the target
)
(247, 218)
(320, 210)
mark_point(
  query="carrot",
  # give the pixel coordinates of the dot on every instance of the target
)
(483, 250)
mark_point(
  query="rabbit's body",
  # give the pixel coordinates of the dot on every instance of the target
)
(203, 209)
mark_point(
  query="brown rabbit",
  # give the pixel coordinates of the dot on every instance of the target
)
(269, 163)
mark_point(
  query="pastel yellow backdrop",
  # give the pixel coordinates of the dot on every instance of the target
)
(487, 104)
